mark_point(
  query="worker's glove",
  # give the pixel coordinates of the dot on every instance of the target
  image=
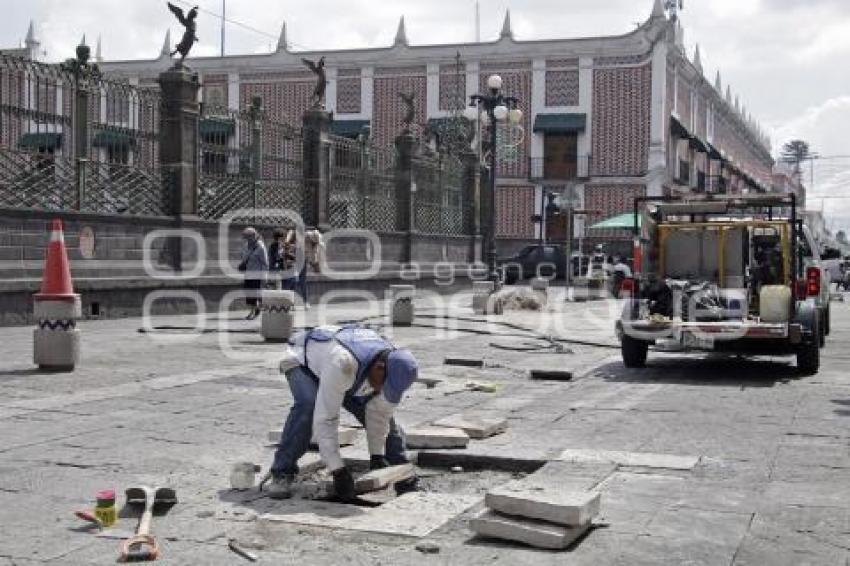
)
(377, 462)
(344, 485)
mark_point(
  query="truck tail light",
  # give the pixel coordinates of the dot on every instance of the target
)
(813, 281)
(627, 287)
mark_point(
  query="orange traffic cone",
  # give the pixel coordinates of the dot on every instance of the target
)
(56, 284)
(56, 308)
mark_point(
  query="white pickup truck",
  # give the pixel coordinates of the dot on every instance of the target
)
(737, 275)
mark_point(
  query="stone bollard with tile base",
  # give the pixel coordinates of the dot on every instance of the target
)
(481, 292)
(401, 304)
(56, 341)
(540, 286)
(276, 320)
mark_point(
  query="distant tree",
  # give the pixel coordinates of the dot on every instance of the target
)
(795, 151)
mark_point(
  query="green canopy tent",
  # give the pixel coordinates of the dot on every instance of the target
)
(621, 222)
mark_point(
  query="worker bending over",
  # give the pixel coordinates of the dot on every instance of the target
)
(353, 367)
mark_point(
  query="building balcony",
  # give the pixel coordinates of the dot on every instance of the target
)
(557, 172)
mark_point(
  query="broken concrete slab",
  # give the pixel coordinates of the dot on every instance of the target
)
(380, 479)
(527, 531)
(546, 501)
(636, 459)
(435, 437)
(413, 514)
(475, 427)
(347, 436)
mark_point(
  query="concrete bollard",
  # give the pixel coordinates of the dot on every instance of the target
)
(56, 341)
(401, 304)
(540, 286)
(481, 291)
(276, 319)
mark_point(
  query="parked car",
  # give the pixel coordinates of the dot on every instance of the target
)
(538, 260)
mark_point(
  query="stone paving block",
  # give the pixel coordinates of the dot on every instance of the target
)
(637, 459)
(413, 514)
(475, 427)
(548, 502)
(528, 531)
(435, 437)
(380, 479)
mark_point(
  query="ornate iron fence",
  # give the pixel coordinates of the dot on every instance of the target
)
(249, 161)
(439, 206)
(362, 190)
(71, 139)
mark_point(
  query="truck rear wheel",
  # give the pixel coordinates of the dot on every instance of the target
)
(808, 359)
(808, 356)
(634, 352)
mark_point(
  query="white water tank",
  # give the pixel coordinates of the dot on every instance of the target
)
(775, 303)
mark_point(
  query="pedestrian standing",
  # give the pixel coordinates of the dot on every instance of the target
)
(313, 250)
(277, 259)
(254, 263)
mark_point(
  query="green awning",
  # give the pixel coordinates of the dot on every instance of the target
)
(216, 126)
(621, 222)
(43, 141)
(560, 123)
(678, 129)
(349, 128)
(112, 138)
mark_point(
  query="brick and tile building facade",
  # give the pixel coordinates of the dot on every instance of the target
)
(605, 118)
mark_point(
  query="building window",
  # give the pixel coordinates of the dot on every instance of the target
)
(560, 156)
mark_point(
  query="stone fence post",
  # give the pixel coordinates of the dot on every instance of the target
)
(405, 190)
(316, 124)
(178, 145)
(178, 150)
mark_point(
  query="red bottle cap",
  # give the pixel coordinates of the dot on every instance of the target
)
(106, 494)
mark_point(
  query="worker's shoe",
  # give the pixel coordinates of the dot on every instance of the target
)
(280, 487)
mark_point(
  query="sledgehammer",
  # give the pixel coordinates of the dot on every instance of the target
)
(143, 546)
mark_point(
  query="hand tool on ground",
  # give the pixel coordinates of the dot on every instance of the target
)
(89, 516)
(143, 546)
(235, 547)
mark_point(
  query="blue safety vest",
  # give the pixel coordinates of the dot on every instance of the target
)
(363, 343)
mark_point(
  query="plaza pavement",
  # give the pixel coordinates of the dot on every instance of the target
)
(720, 461)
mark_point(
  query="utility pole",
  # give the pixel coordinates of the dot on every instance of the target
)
(223, 16)
(477, 22)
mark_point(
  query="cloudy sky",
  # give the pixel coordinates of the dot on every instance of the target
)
(787, 59)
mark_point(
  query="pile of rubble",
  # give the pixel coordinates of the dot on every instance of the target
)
(540, 510)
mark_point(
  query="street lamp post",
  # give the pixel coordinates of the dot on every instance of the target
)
(497, 108)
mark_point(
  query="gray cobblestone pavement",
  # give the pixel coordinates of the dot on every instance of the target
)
(168, 407)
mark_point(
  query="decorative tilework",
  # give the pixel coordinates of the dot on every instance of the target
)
(561, 63)
(400, 71)
(214, 94)
(282, 101)
(684, 102)
(621, 118)
(348, 95)
(610, 200)
(618, 61)
(562, 88)
(348, 73)
(452, 87)
(514, 209)
(388, 108)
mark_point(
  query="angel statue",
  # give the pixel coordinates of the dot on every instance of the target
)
(189, 25)
(321, 81)
(409, 114)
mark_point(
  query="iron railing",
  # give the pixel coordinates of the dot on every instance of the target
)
(438, 203)
(74, 140)
(362, 192)
(248, 162)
